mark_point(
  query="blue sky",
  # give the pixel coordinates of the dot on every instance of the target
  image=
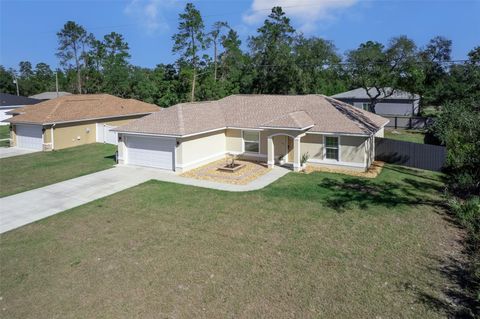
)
(28, 28)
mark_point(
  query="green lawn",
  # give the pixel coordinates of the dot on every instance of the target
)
(307, 246)
(4, 133)
(406, 135)
(25, 172)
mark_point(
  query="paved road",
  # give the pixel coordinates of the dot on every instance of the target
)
(24, 208)
(14, 151)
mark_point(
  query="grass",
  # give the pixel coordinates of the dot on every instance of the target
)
(4, 134)
(26, 172)
(406, 135)
(307, 246)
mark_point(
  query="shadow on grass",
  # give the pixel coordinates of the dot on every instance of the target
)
(455, 302)
(363, 193)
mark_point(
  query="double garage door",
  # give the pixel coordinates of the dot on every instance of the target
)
(150, 151)
(29, 136)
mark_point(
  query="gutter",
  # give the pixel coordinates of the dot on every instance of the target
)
(75, 121)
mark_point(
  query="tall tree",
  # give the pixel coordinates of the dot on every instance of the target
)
(433, 58)
(381, 71)
(6, 81)
(234, 64)
(272, 56)
(44, 77)
(72, 40)
(215, 34)
(190, 39)
(115, 64)
(319, 67)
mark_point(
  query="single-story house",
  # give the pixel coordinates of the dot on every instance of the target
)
(74, 120)
(10, 102)
(49, 95)
(400, 103)
(276, 129)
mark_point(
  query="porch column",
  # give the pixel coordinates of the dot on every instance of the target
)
(296, 153)
(270, 152)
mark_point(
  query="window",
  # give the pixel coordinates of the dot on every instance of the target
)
(366, 106)
(331, 148)
(251, 141)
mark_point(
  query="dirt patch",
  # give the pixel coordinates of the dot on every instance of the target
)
(248, 173)
(372, 172)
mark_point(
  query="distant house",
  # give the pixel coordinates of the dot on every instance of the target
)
(74, 120)
(400, 103)
(49, 95)
(10, 102)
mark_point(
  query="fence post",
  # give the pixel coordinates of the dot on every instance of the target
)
(410, 123)
(395, 122)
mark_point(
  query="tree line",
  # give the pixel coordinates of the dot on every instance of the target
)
(279, 60)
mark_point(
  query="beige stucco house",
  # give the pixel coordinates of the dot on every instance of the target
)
(276, 129)
(73, 120)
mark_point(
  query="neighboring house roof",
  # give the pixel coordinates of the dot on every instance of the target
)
(317, 112)
(72, 108)
(49, 95)
(11, 101)
(361, 93)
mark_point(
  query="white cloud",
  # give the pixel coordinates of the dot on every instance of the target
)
(306, 12)
(149, 13)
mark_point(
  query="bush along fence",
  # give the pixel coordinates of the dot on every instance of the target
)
(409, 122)
(424, 156)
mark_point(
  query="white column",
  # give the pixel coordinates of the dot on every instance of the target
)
(296, 154)
(270, 152)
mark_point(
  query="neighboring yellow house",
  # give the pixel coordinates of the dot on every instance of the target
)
(73, 120)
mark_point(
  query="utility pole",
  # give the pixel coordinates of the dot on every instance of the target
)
(16, 83)
(56, 81)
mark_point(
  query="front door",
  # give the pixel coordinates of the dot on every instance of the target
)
(290, 149)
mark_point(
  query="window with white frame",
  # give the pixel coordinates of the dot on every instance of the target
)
(366, 106)
(251, 141)
(331, 148)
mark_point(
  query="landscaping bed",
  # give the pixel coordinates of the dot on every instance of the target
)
(246, 172)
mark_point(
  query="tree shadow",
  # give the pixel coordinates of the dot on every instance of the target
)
(456, 302)
(413, 172)
(354, 191)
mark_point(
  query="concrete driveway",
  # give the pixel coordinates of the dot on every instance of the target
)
(24, 208)
(14, 151)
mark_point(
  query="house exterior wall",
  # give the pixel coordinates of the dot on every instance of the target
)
(389, 107)
(233, 140)
(79, 133)
(198, 150)
(313, 145)
(352, 151)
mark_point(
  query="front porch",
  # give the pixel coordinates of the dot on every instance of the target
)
(283, 148)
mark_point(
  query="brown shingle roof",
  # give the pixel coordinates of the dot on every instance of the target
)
(80, 107)
(298, 120)
(255, 111)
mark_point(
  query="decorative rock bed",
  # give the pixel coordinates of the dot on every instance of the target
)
(243, 175)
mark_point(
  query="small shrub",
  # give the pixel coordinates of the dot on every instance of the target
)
(468, 213)
(304, 158)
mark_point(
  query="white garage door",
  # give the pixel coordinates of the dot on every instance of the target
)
(150, 151)
(29, 136)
